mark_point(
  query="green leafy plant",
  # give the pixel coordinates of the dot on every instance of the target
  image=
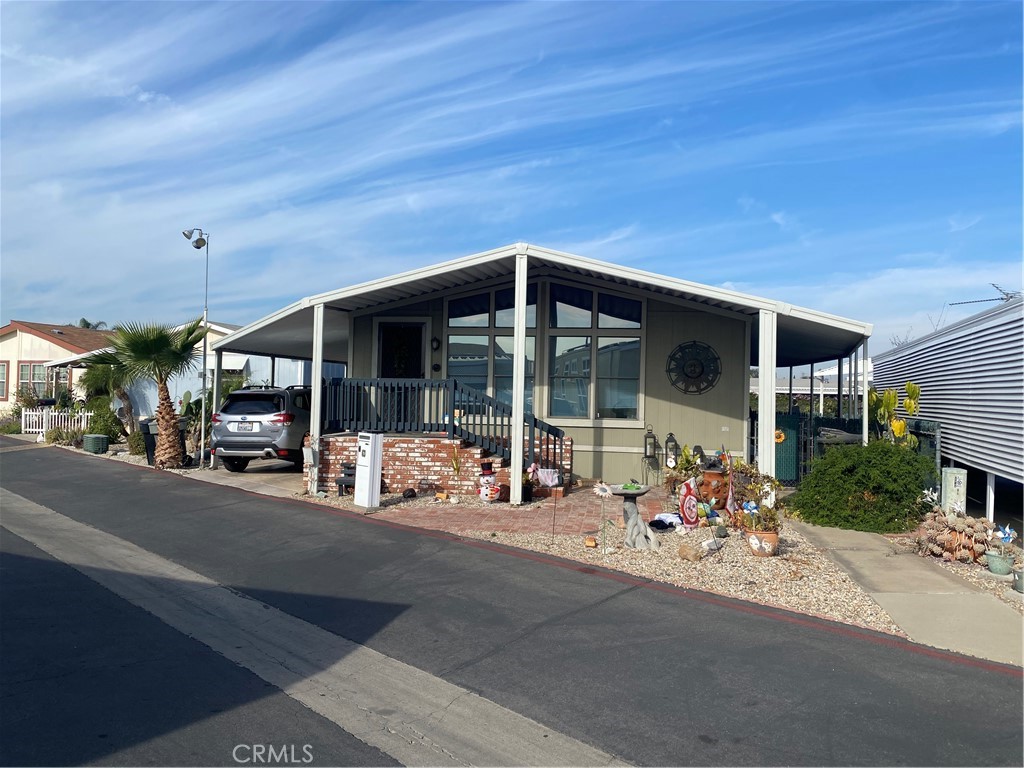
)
(136, 444)
(882, 409)
(687, 467)
(24, 397)
(755, 495)
(58, 436)
(10, 425)
(875, 487)
(104, 379)
(103, 420)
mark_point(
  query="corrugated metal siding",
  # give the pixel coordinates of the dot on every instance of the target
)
(972, 381)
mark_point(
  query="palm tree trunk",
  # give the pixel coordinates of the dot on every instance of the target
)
(130, 424)
(168, 448)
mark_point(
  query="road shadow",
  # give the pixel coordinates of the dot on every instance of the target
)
(89, 678)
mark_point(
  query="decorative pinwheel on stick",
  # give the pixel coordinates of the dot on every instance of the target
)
(603, 492)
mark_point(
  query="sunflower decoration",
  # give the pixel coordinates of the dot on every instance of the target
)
(780, 436)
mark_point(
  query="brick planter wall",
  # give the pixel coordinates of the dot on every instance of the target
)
(420, 462)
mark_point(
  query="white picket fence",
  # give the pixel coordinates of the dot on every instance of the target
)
(39, 421)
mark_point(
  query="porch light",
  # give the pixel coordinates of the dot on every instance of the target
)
(650, 443)
(671, 451)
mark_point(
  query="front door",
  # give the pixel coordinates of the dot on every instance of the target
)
(400, 351)
(400, 356)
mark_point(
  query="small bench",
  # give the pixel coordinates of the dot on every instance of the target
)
(347, 479)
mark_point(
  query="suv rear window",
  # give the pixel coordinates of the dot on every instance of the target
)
(255, 404)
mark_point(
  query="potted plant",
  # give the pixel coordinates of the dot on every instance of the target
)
(1001, 562)
(757, 509)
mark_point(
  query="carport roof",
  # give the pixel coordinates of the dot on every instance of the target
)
(804, 335)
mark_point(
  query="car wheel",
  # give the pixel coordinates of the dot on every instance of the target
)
(234, 464)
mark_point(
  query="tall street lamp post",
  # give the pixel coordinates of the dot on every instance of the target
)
(202, 240)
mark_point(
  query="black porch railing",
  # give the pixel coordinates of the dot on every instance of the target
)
(438, 405)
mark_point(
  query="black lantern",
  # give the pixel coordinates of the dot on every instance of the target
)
(435, 343)
(671, 451)
(650, 444)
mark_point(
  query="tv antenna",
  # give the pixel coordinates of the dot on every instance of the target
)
(1004, 296)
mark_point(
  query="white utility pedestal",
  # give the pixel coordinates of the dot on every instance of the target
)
(954, 488)
(369, 464)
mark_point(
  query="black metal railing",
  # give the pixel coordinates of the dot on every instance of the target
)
(438, 405)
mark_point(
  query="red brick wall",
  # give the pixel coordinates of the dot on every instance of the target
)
(418, 462)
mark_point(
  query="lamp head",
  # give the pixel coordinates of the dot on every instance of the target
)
(188, 233)
(199, 243)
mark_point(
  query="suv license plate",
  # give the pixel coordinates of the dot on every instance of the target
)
(245, 426)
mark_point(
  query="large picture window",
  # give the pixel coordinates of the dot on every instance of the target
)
(570, 379)
(482, 358)
(594, 365)
(468, 360)
(618, 377)
(503, 361)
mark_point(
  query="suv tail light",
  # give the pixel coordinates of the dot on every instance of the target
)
(215, 418)
(281, 418)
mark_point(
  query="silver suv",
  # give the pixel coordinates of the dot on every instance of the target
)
(261, 423)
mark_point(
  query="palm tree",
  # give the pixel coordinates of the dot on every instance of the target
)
(105, 379)
(97, 326)
(157, 352)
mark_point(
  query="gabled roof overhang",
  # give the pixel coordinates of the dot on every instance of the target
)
(804, 335)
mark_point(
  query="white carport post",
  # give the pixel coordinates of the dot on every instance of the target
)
(766, 357)
(316, 399)
(864, 393)
(218, 366)
(518, 379)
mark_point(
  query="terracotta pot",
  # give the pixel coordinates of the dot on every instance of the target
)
(763, 543)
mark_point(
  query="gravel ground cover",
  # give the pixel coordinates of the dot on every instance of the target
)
(801, 578)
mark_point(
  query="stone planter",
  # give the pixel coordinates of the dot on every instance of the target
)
(1018, 581)
(763, 543)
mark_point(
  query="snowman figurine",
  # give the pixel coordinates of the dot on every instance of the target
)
(489, 489)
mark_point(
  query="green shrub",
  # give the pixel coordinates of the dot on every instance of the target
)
(10, 425)
(874, 487)
(136, 444)
(58, 436)
(104, 421)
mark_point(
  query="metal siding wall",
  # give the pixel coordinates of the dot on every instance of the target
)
(972, 382)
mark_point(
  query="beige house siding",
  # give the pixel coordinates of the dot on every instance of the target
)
(610, 450)
(19, 347)
(711, 419)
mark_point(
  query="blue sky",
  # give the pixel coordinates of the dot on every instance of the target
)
(860, 158)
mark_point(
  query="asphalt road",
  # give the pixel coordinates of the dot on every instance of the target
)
(651, 674)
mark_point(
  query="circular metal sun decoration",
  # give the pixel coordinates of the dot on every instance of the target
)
(693, 367)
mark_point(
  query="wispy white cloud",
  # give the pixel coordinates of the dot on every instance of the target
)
(340, 142)
(959, 222)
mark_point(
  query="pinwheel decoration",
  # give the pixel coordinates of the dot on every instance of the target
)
(1005, 535)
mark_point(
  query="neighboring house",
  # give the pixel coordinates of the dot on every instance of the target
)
(251, 368)
(971, 376)
(26, 349)
(523, 345)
